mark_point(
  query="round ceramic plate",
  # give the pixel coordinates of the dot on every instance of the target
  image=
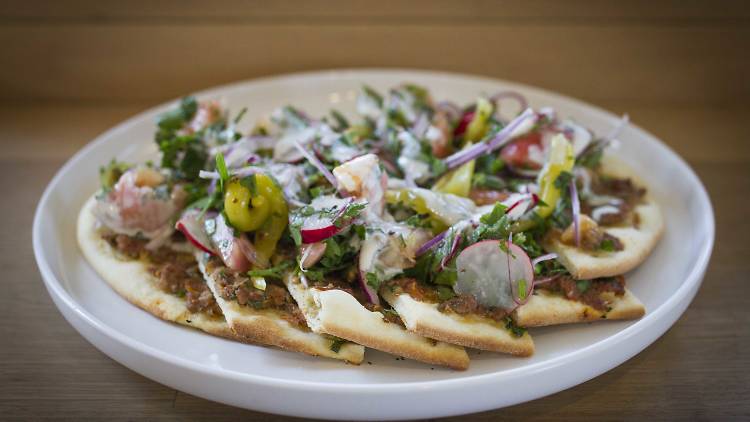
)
(383, 387)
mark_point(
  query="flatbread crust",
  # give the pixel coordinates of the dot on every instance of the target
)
(638, 242)
(475, 332)
(132, 280)
(338, 313)
(548, 308)
(268, 327)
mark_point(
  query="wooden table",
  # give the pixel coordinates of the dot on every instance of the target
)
(680, 68)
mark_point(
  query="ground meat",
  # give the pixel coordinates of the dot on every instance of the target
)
(239, 287)
(176, 272)
(131, 247)
(389, 315)
(467, 304)
(487, 196)
(419, 291)
(624, 189)
(587, 291)
(183, 278)
(462, 304)
(591, 236)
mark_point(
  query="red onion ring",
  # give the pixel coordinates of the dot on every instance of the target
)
(520, 99)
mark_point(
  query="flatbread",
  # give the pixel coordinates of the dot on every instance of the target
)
(638, 242)
(266, 326)
(549, 308)
(132, 280)
(475, 332)
(338, 313)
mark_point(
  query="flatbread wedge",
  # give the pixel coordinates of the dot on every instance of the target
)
(132, 280)
(638, 242)
(549, 308)
(267, 326)
(476, 332)
(338, 313)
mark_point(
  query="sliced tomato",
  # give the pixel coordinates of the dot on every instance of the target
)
(516, 153)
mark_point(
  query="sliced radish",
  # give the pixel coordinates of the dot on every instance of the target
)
(191, 225)
(495, 278)
(320, 225)
(519, 203)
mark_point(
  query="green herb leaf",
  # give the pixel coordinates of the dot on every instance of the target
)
(221, 167)
(273, 272)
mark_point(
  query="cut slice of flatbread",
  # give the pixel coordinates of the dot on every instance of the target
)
(267, 326)
(475, 332)
(338, 313)
(549, 308)
(132, 280)
(638, 242)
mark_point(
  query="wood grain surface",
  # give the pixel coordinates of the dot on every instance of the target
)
(70, 70)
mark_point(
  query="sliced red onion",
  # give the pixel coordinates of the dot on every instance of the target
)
(431, 243)
(318, 165)
(249, 251)
(452, 252)
(509, 131)
(212, 186)
(499, 140)
(311, 254)
(547, 257)
(576, 205)
(370, 294)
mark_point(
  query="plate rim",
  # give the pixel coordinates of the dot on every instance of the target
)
(689, 286)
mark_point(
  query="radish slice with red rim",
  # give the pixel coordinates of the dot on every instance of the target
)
(495, 276)
(191, 225)
(317, 221)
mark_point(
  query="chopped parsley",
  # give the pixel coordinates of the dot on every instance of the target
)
(274, 272)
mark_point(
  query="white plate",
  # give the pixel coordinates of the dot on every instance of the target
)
(293, 384)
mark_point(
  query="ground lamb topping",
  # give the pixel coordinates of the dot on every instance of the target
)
(176, 272)
(239, 287)
(461, 304)
(588, 292)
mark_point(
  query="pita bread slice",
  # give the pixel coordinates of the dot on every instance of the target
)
(549, 308)
(476, 332)
(132, 280)
(338, 313)
(267, 326)
(638, 242)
